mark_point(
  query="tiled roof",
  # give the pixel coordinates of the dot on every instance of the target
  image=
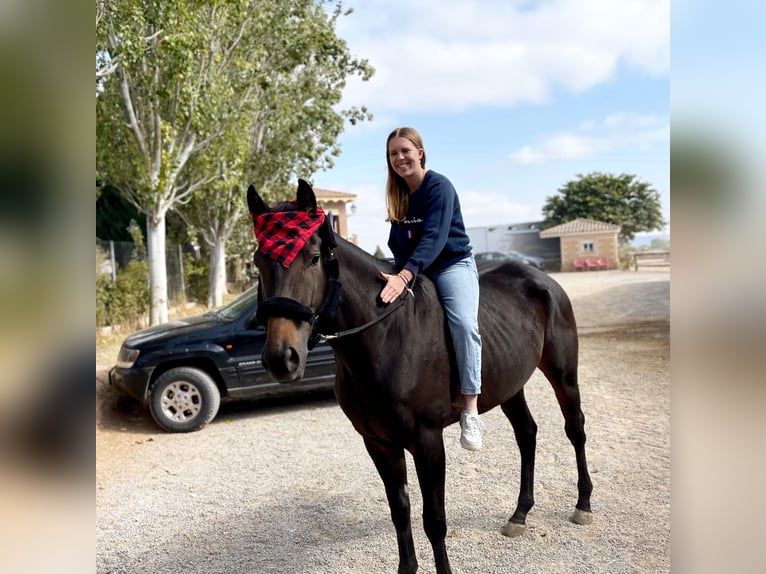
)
(577, 226)
(330, 195)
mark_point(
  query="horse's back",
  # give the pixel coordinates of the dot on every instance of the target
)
(519, 286)
(523, 313)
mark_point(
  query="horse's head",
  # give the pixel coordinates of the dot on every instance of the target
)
(295, 263)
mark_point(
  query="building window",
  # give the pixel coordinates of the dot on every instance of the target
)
(587, 247)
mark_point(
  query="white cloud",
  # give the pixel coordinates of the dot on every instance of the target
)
(482, 209)
(616, 133)
(453, 54)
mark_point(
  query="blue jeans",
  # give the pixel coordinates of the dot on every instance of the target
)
(458, 289)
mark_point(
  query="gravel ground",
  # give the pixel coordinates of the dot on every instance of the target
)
(288, 487)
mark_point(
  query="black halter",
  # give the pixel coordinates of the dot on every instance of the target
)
(322, 319)
(292, 309)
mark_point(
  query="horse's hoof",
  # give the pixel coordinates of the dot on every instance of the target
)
(582, 517)
(513, 529)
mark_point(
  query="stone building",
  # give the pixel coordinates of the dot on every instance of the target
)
(335, 202)
(582, 239)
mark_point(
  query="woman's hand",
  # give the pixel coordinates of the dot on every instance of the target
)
(395, 286)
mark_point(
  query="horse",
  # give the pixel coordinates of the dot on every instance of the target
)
(396, 377)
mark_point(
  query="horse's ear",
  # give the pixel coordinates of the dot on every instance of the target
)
(307, 201)
(254, 202)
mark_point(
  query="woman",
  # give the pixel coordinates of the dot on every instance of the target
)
(428, 236)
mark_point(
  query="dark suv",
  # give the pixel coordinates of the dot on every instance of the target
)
(183, 368)
(496, 257)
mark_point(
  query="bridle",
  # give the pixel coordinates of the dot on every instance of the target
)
(320, 320)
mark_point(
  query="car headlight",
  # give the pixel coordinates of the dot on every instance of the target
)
(127, 357)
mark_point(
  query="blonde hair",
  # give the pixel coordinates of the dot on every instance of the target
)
(397, 192)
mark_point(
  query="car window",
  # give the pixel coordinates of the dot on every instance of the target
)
(235, 308)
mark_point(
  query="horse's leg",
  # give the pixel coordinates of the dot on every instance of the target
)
(525, 429)
(393, 470)
(560, 368)
(430, 465)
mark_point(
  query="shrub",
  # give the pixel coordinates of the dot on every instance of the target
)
(196, 277)
(125, 300)
(104, 293)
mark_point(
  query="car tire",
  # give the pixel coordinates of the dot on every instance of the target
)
(184, 399)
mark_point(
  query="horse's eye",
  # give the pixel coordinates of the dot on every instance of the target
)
(315, 260)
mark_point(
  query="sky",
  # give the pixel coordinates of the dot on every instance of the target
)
(513, 98)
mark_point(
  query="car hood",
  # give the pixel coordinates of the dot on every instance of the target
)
(173, 329)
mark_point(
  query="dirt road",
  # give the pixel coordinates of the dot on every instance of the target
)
(289, 487)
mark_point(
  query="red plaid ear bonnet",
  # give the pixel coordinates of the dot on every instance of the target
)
(282, 234)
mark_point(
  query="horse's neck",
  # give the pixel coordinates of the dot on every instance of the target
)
(361, 305)
(359, 276)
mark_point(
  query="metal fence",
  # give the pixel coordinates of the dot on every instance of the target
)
(113, 256)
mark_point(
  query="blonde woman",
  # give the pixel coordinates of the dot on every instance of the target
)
(428, 236)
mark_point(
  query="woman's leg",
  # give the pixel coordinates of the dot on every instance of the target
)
(458, 288)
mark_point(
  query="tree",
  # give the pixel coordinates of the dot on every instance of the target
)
(622, 200)
(151, 113)
(185, 73)
(289, 129)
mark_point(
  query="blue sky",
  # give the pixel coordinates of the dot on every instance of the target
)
(513, 99)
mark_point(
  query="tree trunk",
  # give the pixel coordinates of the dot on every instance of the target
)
(158, 279)
(217, 284)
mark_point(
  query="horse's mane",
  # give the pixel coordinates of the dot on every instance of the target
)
(284, 205)
(358, 255)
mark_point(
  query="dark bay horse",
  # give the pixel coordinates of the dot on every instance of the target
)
(397, 380)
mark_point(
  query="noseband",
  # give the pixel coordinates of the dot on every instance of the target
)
(292, 309)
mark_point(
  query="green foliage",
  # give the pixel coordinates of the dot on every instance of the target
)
(241, 243)
(104, 295)
(125, 300)
(221, 84)
(209, 97)
(621, 200)
(137, 236)
(196, 277)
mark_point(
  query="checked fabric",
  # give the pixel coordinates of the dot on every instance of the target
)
(282, 234)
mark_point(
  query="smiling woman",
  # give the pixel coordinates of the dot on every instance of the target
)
(428, 236)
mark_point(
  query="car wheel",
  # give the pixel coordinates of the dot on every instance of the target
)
(184, 399)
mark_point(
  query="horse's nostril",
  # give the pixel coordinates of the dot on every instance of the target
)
(292, 360)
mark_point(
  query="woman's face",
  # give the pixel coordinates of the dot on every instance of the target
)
(404, 157)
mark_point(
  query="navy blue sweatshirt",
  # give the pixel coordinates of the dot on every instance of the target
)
(432, 236)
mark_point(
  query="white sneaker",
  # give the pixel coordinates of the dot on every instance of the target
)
(470, 431)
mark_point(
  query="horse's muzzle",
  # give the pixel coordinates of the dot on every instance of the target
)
(284, 364)
(284, 354)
